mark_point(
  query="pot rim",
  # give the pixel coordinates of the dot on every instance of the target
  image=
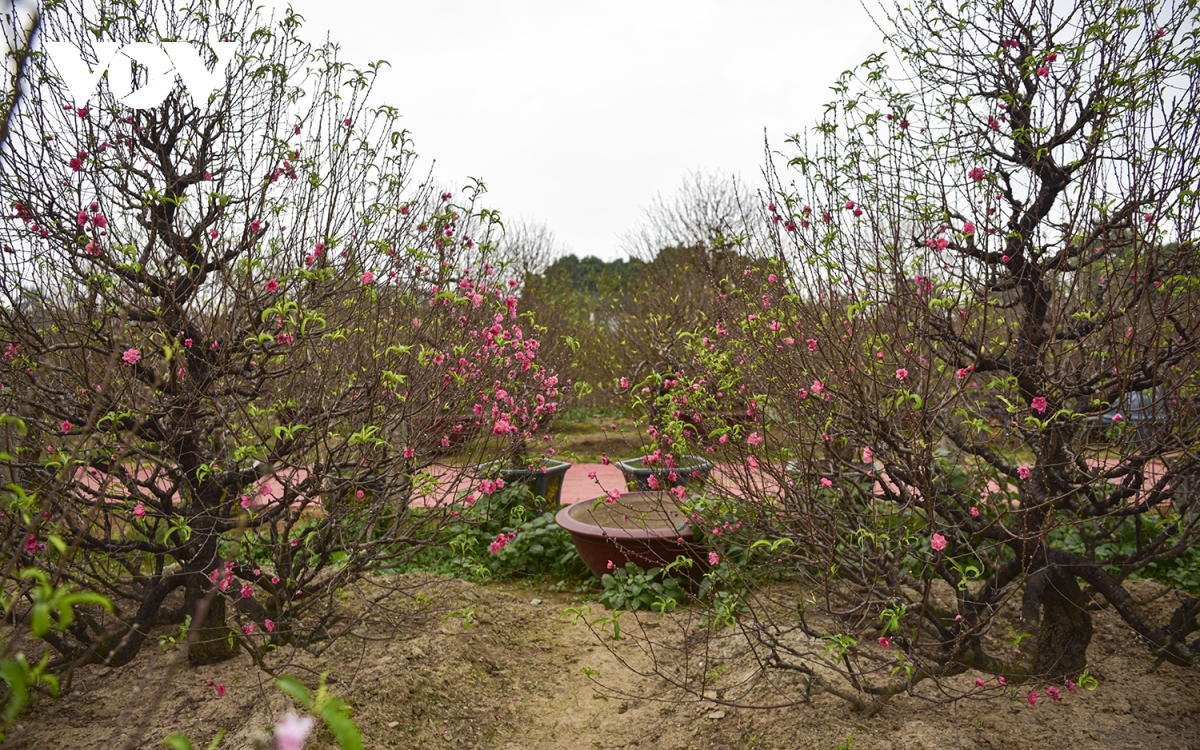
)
(688, 462)
(551, 465)
(564, 519)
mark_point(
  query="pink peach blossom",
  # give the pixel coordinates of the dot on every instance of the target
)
(291, 731)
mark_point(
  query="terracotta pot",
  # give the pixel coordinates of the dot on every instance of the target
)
(690, 470)
(645, 528)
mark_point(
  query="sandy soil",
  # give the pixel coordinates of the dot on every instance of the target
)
(514, 679)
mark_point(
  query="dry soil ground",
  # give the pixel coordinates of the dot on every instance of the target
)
(513, 679)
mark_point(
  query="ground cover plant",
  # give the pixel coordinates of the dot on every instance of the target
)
(508, 532)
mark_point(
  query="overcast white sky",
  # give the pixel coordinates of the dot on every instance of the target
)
(576, 115)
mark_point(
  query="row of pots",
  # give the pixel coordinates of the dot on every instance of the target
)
(546, 481)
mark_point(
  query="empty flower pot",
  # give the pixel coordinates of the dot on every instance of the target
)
(692, 470)
(645, 528)
(544, 479)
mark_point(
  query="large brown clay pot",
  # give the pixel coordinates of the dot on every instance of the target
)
(646, 528)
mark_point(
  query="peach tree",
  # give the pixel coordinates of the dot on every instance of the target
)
(242, 335)
(971, 344)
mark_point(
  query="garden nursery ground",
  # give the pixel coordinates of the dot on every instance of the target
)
(498, 666)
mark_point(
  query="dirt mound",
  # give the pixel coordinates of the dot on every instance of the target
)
(460, 665)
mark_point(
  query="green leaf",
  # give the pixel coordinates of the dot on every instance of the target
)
(345, 731)
(296, 689)
(14, 673)
(216, 740)
(67, 603)
(178, 742)
(39, 621)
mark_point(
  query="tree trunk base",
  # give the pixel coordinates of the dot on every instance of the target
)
(214, 641)
(1066, 629)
